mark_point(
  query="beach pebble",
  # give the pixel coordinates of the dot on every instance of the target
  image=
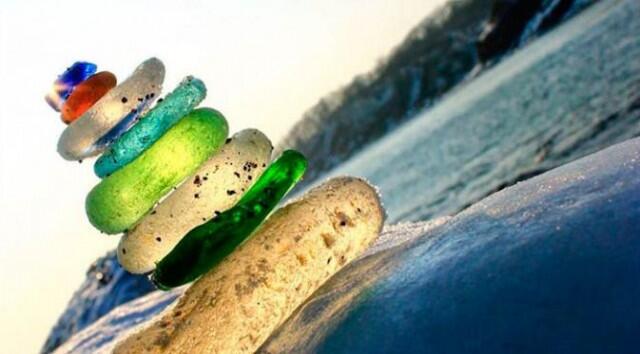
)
(235, 306)
(120, 200)
(78, 140)
(197, 200)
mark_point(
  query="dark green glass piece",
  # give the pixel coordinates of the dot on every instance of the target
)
(206, 245)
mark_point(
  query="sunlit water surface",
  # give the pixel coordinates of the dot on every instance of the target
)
(572, 92)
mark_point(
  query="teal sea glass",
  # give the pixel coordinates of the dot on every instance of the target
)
(208, 244)
(151, 126)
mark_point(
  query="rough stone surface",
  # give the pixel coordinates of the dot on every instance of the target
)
(235, 306)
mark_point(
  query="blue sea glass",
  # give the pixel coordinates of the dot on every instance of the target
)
(64, 84)
(151, 126)
(123, 126)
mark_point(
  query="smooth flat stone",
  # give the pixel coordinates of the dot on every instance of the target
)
(86, 94)
(65, 83)
(151, 126)
(120, 200)
(78, 140)
(200, 198)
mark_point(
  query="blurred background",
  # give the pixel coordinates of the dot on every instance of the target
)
(439, 103)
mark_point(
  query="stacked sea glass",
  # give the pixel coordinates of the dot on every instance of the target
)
(183, 194)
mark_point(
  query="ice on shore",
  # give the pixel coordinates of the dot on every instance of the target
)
(106, 286)
(548, 265)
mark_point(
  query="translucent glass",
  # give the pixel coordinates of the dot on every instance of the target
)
(151, 126)
(208, 244)
(120, 200)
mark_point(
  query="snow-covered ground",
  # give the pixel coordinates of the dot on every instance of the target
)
(550, 264)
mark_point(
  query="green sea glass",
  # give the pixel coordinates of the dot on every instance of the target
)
(120, 200)
(206, 245)
(152, 126)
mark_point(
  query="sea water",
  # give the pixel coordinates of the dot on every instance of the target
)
(571, 92)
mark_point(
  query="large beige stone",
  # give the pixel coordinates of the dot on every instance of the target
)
(238, 304)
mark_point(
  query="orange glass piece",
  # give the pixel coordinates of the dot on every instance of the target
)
(85, 94)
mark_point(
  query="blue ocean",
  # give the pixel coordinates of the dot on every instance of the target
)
(569, 93)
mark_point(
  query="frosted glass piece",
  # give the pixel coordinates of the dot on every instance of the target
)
(78, 140)
(64, 84)
(216, 186)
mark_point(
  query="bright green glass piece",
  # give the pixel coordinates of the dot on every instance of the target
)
(206, 245)
(151, 126)
(120, 200)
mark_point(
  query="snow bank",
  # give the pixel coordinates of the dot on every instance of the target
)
(548, 265)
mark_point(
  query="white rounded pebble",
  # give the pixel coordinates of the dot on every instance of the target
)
(78, 140)
(235, 167)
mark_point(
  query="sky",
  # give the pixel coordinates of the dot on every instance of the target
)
(264, 62)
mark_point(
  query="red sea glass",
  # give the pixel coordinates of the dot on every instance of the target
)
(85, 94)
